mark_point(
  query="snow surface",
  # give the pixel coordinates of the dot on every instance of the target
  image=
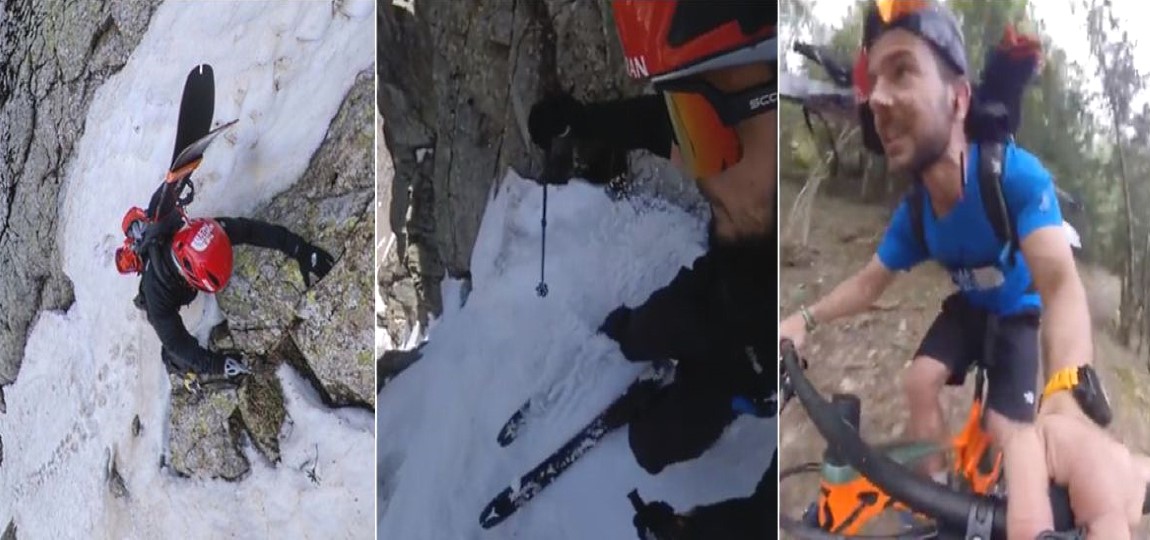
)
(439, 463)
(283, 70)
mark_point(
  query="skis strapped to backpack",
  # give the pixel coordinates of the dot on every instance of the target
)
(193, 136)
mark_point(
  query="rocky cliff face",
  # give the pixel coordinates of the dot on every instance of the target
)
(456, 84)
(54, 54)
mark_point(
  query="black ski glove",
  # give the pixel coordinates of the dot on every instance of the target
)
(615, 325)
(657, 520)
(161, 232)
(312, 260)
(554, 116)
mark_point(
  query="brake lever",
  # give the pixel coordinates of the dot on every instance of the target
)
(786, 386)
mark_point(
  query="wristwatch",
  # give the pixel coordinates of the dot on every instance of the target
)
(808, 319)
(1086, 386)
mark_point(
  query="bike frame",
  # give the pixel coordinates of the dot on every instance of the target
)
(848, 501)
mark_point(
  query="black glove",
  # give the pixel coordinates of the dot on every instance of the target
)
(658, 521)
(615, 325)
(554, 116)
(160, 232)
(313, 260)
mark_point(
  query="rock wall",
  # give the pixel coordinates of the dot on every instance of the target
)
(55, 55)
(456, 84)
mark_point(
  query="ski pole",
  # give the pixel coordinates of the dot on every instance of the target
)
(541, 289)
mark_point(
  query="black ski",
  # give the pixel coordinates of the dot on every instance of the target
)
(192, 153)
(197, 107)
(511, 428)
(616, 415)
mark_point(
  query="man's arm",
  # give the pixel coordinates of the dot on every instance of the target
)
(1066, 337)
(1066, 334)
(182, 346)
(250, 232)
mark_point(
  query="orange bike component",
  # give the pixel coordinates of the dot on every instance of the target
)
(847, 507)
(975, 460)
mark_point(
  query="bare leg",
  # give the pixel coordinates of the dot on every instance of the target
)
(922, 383)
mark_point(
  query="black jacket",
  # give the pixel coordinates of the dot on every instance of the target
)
(164, 291)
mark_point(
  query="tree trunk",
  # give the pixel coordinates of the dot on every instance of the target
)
(1128, 311)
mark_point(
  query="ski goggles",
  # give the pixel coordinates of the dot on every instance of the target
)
(704, 117)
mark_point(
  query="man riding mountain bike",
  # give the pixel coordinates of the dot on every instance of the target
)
(713, 65)
(177, 258)
(916, 106)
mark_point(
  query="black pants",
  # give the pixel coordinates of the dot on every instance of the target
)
(717, 319)
(959, 338)
(684, 419)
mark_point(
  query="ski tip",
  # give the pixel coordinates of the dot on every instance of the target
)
(497, 510)
(507, 435)
(490, 518)
(202, 69)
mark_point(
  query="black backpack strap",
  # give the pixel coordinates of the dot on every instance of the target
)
(917, 222)
(991, 164)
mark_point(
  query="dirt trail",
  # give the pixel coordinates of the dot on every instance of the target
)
(865, 355)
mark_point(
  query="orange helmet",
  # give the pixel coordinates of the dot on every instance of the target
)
(673, 42)
(203, 253)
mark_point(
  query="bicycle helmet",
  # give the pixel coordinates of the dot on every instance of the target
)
(203, 253)
(673, 43)
(927, 19)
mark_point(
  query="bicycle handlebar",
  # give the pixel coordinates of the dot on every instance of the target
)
(978, 515)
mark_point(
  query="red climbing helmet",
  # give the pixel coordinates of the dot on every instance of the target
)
(674, 42)
(203, 253)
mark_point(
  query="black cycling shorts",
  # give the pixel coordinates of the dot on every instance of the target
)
(958, 339)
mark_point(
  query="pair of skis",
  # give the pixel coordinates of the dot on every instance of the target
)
(194, 134)
(616, 415)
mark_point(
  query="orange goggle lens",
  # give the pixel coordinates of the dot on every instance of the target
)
(893, 10)
(707, 146)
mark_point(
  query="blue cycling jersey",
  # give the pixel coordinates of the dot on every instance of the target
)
(964, 242)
